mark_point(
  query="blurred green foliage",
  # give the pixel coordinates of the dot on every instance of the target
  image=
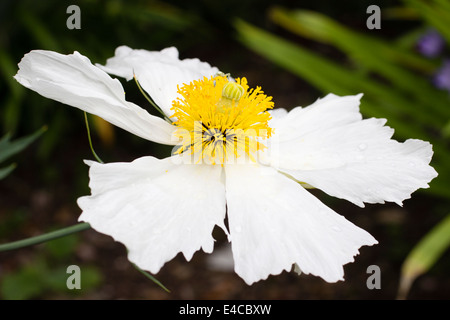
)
(410, 103)
(328, 55)
(8, 149)
(394, 78)
(47, 273)
(424, 255)
(26, 25)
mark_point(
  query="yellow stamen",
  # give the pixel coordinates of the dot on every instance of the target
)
(220, 120)
(233, 91)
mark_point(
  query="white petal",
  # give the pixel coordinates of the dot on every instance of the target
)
(158, 72)
(276, 114)
(73, 80)
(330, 111)
(275, 223)
(156, 208)
(330, 147)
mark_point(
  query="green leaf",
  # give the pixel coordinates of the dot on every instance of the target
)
(20, 286)
(11, 112)
(161, 13)
(62, 248)
(425, 103)
(400, 13)
(435, 12)
(38, 278)
(4, 172)
(8, 69)
(380, 100)
(8, 148)
(26, 283)
(424, 255)
(12, 104)
(56, 279)
(318, 27)
(91, 277)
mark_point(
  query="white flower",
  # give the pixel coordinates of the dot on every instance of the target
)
(159, 208)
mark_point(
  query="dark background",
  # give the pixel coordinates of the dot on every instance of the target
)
(40, 195)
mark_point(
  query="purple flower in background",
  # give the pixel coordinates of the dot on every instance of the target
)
(431, 44)
(441, 78)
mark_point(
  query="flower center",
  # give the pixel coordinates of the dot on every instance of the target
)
(221, 120)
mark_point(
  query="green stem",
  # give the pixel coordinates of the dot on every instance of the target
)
(148, 275)
(45, 237)
(89, 138)
(151, 101)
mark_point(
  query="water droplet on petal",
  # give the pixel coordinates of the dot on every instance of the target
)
(336, 228)
(133, 223)
(362, 146)
(412, 164)
(238, 228)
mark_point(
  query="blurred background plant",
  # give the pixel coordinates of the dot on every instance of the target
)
(9, 149)
(398, 84)
(297, 51)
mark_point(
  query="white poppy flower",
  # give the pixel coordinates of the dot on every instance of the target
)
(160, 207)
